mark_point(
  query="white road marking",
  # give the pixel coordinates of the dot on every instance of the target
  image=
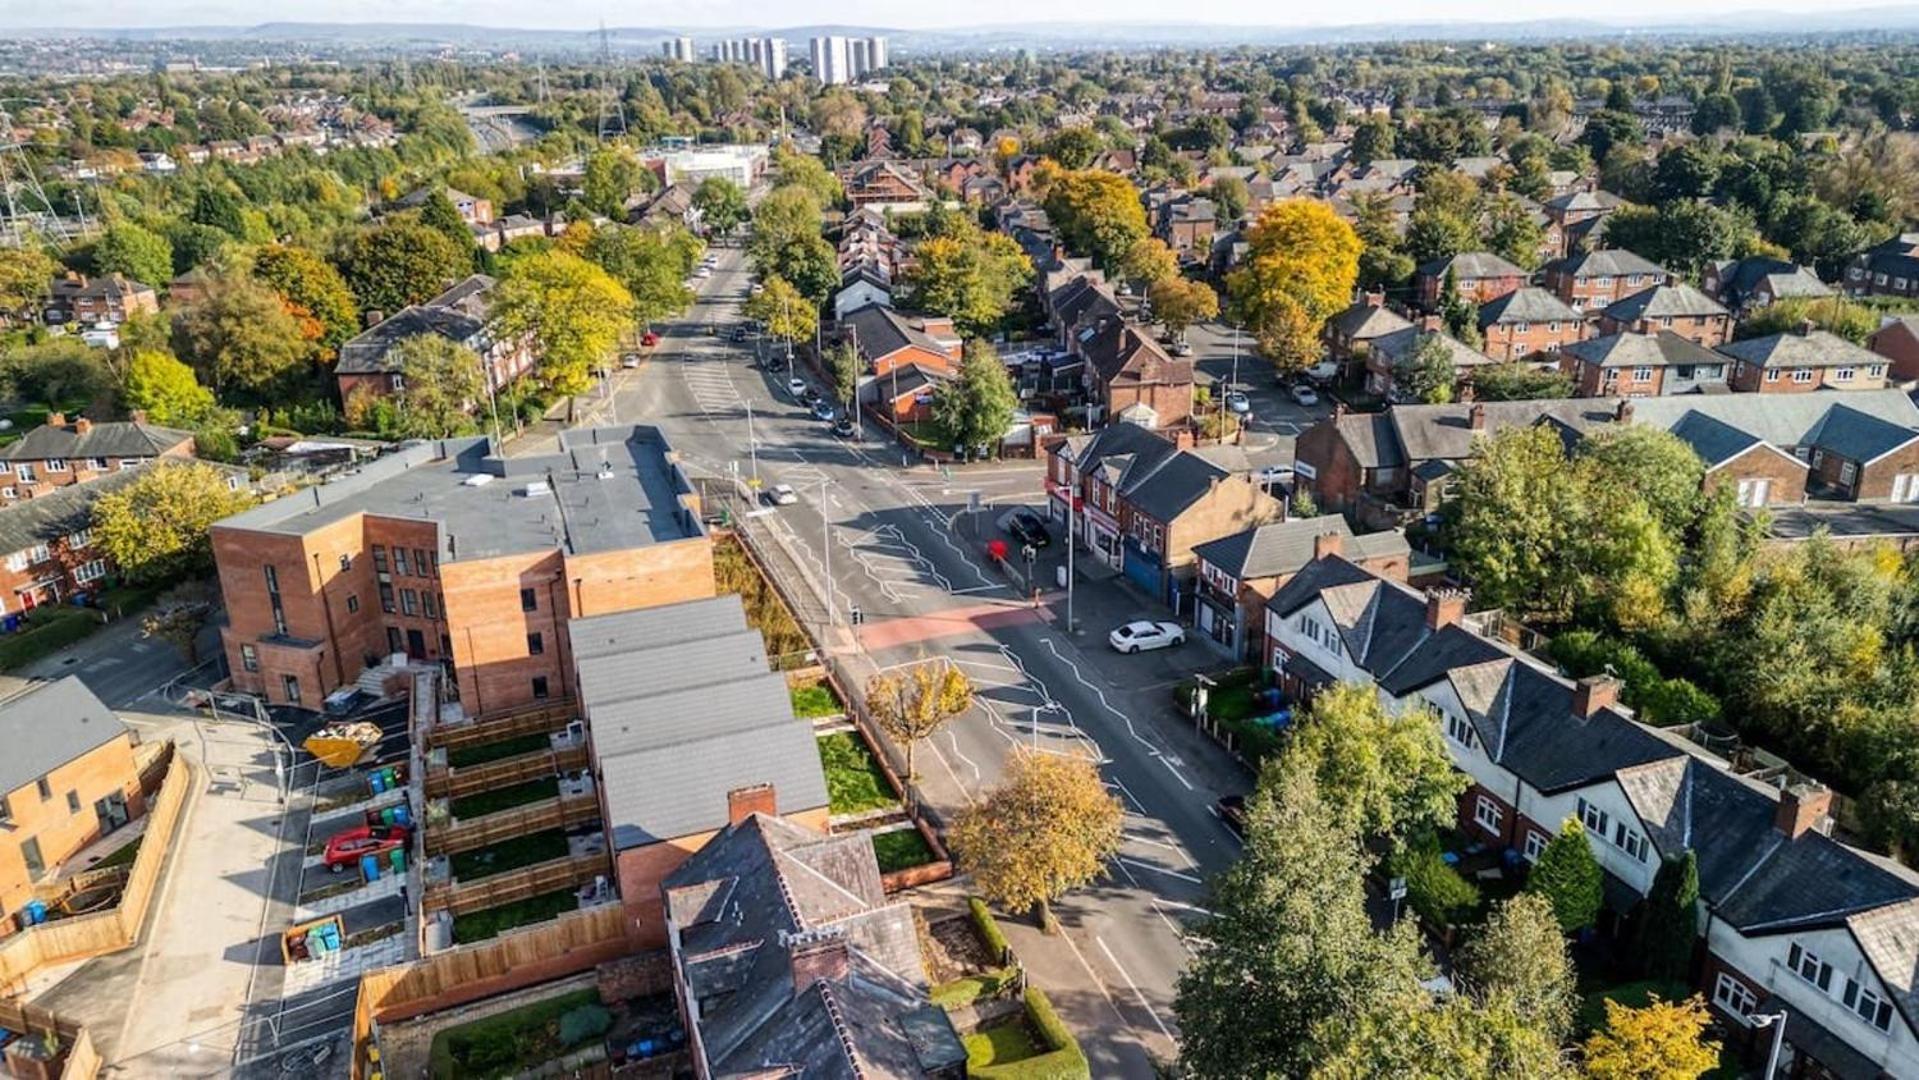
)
(1161, 870)
(1137, 993)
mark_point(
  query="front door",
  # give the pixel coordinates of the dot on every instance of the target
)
(415, 645)
(112, 812)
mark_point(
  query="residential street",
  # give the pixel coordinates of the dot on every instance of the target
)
(898, 543)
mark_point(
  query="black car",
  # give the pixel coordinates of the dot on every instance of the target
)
(1232, 811)
(1027, 528)
(810, 396)
(740, 333)
(843, 427)
(823, 410)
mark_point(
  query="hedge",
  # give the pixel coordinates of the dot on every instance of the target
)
(988, 928)
(967, 989)
(1065, 1061)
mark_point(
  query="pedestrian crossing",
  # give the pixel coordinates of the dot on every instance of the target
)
(711, 384)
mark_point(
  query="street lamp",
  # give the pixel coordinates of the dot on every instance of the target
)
(1777, 1022)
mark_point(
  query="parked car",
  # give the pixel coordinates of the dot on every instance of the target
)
(703, 272)
(1182, 347)
(796, 386)
(1304, 395)
(757, 288)
(811, 397)
(781, 495)
(1238, 402)
(823, 410)
(843, 427)
(650, 338)
(1027, 528)
(1232, 811)
(344, 849)
(740, 333)
(630, 360)
(1144, 634)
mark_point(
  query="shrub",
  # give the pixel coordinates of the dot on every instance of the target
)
(988, 927)
(1659, 700)
(1440, 894)
(585, 1022)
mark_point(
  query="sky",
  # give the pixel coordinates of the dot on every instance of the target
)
(582, 14)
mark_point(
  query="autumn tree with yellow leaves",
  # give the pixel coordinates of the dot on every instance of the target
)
(1301, 263)
(911, 705)
(1050, 826)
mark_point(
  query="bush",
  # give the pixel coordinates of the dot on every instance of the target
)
(965, 990)
(1440, 894)
(988, 926)
(1063, 1061)
(1658, 700)
(585, 1022)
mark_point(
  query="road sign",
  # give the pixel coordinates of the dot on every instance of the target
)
(1396, 889)
(972, 502)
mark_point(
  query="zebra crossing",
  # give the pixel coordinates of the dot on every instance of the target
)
(711, 385)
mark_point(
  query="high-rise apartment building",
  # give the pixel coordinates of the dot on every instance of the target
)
(678, 49)
(832, 60)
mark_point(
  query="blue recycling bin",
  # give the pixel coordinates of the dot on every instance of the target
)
(370, 867)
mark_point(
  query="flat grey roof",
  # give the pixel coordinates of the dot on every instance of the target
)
(605, 489)
(44, 729)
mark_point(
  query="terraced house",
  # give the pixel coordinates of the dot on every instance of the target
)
(62, 452)
(1792, 920)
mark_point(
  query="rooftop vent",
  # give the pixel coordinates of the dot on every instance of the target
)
(535, 488)
(477, 480)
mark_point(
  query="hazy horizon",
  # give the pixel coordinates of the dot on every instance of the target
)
(937, 15)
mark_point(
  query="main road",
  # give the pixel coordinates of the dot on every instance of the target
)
(898, 543)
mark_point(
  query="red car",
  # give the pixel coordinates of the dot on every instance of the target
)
(345, 848)
(651, 337)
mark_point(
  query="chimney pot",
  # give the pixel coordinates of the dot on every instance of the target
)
(82, 426)
(1593, 693)
(1806, 327)
(818, 955)
(56, 419)
(1802, 807)
(139, 416)
(1376, 299)
(1328, 543)
(743, 803)
(1477, 416)
(1445, 607)
(1432, 324)
(1339, 410)
(1624, 412)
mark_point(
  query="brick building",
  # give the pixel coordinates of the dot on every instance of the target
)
(62, 452)
(1527, 321)
(448, 552)
(1897, 340)
(1888, 268)
(1130, 376)
(1745, 285)
(67, 778)
(1480, 277)
(1802, 360)
(1239, 573)
(1641, 365)
(76, 298)
(1676, 309)
(368, 364)
(1589, 281)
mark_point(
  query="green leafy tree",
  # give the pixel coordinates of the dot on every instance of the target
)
(1519, 382)
(789, 214)
(1438, 1038)
(971, 276)
(313, 292)
(570, 310)
(165, 389)
(26, 279)
(439, 214)
(216, 207)
(1179, 303)
(1149, 260)
(1836, 315)
(58, 373)
(1291, 950)
(127, 248)
(794, 169)
(785, 313)
(977, 406)
(721, 203)
(157, 527)
(1074, 147)
(1512, 233)
(1668, 926)
(1664, 1040)
(241, 338)
(844, 362)
(1096, 213)
(1392, 771)
(1428, 375)
(651, 265)
(397, 263)
(1569, 878)
(442, 381)
(610, 177)
(1655, 465)
(1520, 956)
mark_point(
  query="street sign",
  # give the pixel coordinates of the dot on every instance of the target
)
(972, 502)
(1396, 889)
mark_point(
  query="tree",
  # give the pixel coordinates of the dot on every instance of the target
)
(808, 172)
(1668, 924)
(1520, 956)
(1148, 259)
(126, 248)
(1179, 303)
(971, 276)
(1569, 878)
(844, 364)
(1655, 465)
(1074, 147)
(787, 215)
(1097, 213)
(1428, 374)
(1664, 1040)
(400, 262)
(156, 528)
(1437, 1038)
(1519, 382)
(721, 203)
(1290, 944)
(216, 207)
(1716, 112)
(571, 311)
(610, 177)
(439, 214)
(1392, 771)
(910, 707)
(1834, 314)
(1300, 267)
(977, 406)
(314, 293)
(1372, 139)
(441, 381)
(783, 311)
(241, 338)
(651, 265)
(1230, 196)
(26, 278)
(1050, 826)
(1512, 233)
(165, 389)
(56, 374)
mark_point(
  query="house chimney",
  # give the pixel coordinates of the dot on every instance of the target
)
(1339, 410)
(1801, 807)
(56, 419)
(139, 416)
(1445, 607)
(1375, 299)
(82, 426)
(1806, 327)
(1593, 693)
(1623, 413)
(743, 803)
(1431, 324)
(374, 317)
(817, 954)
(1476, 416)
(1328, 543)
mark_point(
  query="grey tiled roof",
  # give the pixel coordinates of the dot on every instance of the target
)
(1364, 321)
(651, 627)
(1472, 264)
(1858, 436)
(47, 727)
(1624, 350)
(1528, 305)
(881, 331)
(110, 439)
(1714, 440)
(69, 509)
(1663, 301)
(1793, 349)
(1781, 419)
(1607, 262)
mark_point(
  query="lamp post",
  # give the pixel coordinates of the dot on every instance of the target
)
(1777, 1022)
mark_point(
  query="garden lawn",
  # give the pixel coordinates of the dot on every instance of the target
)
(487, 922)
(482, 803)
(1001, 1045)
(901, 850)
(815, 700)
(855, 782)
(462, 757)
(508, 855)
(506, 1043)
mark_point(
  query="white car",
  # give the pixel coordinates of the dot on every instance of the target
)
(782, 495)
(1143, 634)
(1238, 402)
(757, 288)
(703, 272)
(796, 386)
(1305, 395)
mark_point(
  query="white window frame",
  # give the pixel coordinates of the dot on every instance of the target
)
(1730, 994)
(57, 464)
(1772, 374)
(1485, 808)
(1642, 374)
(1802, 374)
(1843, 374)
(1905, 488)
(26, 473)
(1875, 371)
(98, 464)
(1848, 472)
(90, 571)
(1459, 730)
(1593, 818)
(1536, 842)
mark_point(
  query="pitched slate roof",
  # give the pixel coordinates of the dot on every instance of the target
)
(1606, 262)
(1662, 302)
(1741, 278)
(1794, 349)
(1784, 420)
(1397, 346)
(69, 509)
(1628, 349)
(1122, 353)
(1858, 436)
(1282, 547)
(1364, 321)
(881, 332)
(49, 726)
(458, 314)
(1715, 441)
(109, 439)
(1472, 264)
(1528, 305)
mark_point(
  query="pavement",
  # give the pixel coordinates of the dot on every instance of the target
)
(895, 541)
(117, 662)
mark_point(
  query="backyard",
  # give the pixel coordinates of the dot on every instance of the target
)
(506, 1043)
(482, 803)
(814, 700)
(488, 922)
(464, 757)
(735, 572)
(1233, 704)
(509, 855)
(901, 849)
(991, 1049)
(855, 783)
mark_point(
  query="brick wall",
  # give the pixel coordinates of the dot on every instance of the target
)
(59, 830)
(1708, 330)
(1786, 474)
(1337, 477)
(1511, 341)
(1469, 823)
(1875, 479)
(641, 870)
(1900, 346)
(1234, 504)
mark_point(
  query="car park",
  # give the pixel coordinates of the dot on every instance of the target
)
(344, 849)
(1303, 394)
(1144, 634)
(781, 495)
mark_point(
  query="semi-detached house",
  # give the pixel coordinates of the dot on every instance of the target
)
(1791, 920)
